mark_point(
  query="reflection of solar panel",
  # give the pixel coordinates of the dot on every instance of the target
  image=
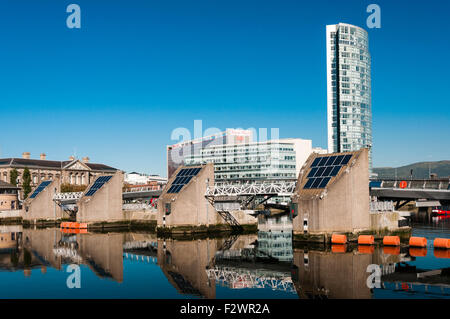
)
(183, 177)
(40, 188)
(99, 182)
(324, 168)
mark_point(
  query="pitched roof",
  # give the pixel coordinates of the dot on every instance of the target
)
(49, 164)
(5, 185)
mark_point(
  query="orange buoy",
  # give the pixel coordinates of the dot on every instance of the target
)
(364, 249)
(418, 242)
(366, 240)
(441, 243)
(417, 252)
(62, 225)
(391, 250)
(82, 225)
(442, 253)
(338, 248)
(391, 241)
(338, 239)
(403, 184)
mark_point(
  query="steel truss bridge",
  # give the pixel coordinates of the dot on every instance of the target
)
(433, 191)
(235, 277)
(229, 197)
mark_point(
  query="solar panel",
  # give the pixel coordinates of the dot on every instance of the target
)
(316, 162)
(99, 182)
(40, 188)
(346, 159)
(313, 171)
(324, 168)
(183, 177)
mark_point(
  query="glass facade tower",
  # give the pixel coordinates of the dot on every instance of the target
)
(349, 101)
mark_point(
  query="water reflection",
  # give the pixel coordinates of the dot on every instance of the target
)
(262, 265)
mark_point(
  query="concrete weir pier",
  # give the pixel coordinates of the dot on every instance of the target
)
(183, 207)
(40, 205)
(99, 205)
(332, 197)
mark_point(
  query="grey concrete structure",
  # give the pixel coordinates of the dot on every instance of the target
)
(184, 264)
(342, 206)
(327, 275)
(106, 203)
(188, 207)
(42, 207)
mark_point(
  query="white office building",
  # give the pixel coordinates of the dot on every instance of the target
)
(256, 161)
(349, 100)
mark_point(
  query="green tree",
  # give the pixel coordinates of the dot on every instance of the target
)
(13, 177)
(26, 186)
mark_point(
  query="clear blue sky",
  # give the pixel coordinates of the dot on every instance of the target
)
(116, 88)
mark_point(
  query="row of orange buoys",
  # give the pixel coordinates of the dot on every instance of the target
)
(74, 230)
(391, 245)
(73, 225)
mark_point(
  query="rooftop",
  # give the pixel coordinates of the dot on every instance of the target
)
(24, 162)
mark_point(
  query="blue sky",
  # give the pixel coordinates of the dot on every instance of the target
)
(116, 88)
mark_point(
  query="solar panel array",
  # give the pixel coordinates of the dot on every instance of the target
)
(40, 188)
(183, 177)
(99, 182)
(324, 168)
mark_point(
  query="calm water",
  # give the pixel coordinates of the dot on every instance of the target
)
(38, 264)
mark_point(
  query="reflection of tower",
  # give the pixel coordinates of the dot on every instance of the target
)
(184, 264)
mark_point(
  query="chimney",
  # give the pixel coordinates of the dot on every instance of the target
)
(86, 159)
(26, 155)
(43, 156)
(71, 158)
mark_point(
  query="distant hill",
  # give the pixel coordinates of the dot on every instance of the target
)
(420, 170)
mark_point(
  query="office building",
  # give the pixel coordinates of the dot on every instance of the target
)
(177, 153)
(256, 161)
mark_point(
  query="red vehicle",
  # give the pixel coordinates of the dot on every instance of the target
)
(441, 210)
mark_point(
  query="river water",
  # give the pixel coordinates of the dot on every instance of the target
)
(47, 263)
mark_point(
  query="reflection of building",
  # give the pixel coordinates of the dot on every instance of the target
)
(73, 171)
(349, 89)
(275, 237)
(326, 275)
(187, 274)
(268, 160)
(177, 153)
(8, 196)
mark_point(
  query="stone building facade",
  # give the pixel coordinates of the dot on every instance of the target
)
(8, 196)
(72, 171)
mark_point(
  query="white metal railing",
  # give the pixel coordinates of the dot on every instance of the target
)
(142, 189)
(383, 206)
(138, 206)
(266, 188)
(67, 196)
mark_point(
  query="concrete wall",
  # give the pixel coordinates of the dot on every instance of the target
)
(43, 206)
(189, 207)
(103, 253)
(341, 276)
(105, 204)
(343, 206)
(381, 220)
(177, 261)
